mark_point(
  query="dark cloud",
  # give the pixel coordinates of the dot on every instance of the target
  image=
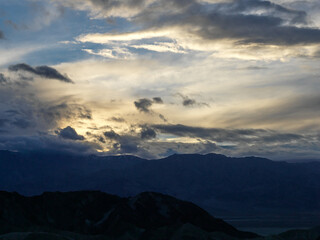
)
(1, 35)
(45, 143)
(143, 105)
(189, 102)
(42, 71)
(127, 145)
(245, 21)
(70, 133)
(48, 72)
(123, 144)
(23, 113)
(163, 118)
(112, 135)
(23, 67)
(101, 139)
(269, 8)
(239, 20)
(130, 142)
(250, 31)
(118, 119)
(157, 100)
(148, 133)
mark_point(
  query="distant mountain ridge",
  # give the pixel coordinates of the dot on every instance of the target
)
(222, 185)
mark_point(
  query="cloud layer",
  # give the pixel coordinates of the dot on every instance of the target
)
(176, 26)
(153, 78)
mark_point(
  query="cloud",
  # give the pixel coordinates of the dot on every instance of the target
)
(148, 133)
(161, 47)
(267, 8)
(1, 35)
(126, 143)
(221, 135)
(45, 143)
(296, 112)
(112, 135)
(157, 100)
(189, 102)
(70, 133)
(128, 36)
(144, 104)
(42, 71)
(246, 21)
(15, 53)
(236, 28)
(143, 142)
(65, 110)
(158, 140)
(162, 118)
(29, 113)
(112, 53)
(117, 119)
(109, 8)
(28, 110)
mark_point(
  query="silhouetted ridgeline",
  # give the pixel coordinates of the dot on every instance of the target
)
(145, 216)
(100, 216)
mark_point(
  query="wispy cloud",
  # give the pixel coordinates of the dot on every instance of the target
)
(41, 71)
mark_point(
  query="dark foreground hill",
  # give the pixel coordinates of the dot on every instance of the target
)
(226, 187)
(93, 215)
(97, 215)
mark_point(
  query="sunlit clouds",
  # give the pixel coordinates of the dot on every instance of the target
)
(152, 78)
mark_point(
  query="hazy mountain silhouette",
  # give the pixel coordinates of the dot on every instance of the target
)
(222, 185)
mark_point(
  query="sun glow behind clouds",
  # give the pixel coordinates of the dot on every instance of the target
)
(157, 77)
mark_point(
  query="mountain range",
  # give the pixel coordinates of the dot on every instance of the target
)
(230, 188)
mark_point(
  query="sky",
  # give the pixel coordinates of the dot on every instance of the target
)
(156, 77)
